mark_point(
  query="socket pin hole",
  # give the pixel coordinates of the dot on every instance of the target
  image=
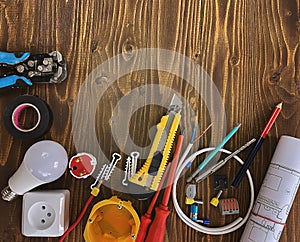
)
(43, 221)
(43, 207)
(49, 214)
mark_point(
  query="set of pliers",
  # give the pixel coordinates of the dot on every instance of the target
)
(23, 69)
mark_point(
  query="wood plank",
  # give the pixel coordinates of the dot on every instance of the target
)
(250, 49)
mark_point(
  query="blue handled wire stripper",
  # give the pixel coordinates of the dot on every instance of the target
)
(23, 69)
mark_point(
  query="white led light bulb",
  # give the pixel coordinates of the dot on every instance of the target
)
(44, 162)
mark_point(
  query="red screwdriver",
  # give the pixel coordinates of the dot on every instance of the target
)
(146, 218)
(157, 229)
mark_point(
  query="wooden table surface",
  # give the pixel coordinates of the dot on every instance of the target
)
(250, 50)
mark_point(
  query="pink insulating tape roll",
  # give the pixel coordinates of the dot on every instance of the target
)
(13, 112)
(17, 113)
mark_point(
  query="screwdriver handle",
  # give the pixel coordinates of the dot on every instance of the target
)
(157, 229)
(145, 222)
(174, 164)
(146, 218)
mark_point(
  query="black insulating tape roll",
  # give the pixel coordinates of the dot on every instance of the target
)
(13, 110)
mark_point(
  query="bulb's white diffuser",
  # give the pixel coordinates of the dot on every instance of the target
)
(44, 162)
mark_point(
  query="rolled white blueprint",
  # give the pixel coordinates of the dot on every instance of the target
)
(276, 195)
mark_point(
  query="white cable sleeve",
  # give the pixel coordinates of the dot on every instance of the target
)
(184, 155)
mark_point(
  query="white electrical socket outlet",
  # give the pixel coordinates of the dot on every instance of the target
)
(45, 213)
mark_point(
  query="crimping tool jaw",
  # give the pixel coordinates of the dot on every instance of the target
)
(24, 69)
(61, 73)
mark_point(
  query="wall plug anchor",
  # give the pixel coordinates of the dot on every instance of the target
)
(99, 176)
(134, 158)
(109, 170)
(128, 168)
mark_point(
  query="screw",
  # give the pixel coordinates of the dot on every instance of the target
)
(31, 73)
(134, 157)
(133, 236)
(90, 220)
(119, 206)
(45, 62)
(20, 68)
(30, 63)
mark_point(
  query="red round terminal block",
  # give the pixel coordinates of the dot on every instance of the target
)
(82, 165)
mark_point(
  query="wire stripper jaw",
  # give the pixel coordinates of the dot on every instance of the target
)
(147, 179)
(23, 69)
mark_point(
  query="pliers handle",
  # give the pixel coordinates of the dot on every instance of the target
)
(12, 80)
(10, 59)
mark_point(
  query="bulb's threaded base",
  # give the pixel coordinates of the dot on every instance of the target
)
(7, 194)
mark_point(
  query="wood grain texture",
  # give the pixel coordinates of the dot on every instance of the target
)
(250, 49)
